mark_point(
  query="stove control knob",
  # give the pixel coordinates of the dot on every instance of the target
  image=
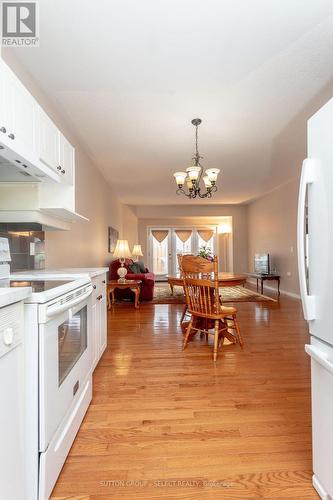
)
(8, 336)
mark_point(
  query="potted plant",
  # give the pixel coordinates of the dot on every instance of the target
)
(206, 253)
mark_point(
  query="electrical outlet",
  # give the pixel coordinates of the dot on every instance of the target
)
(288, 273)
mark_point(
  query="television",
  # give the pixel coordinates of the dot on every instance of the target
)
(261, 263)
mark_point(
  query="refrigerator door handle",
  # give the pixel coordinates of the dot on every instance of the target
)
(307, 177)
(319, 356)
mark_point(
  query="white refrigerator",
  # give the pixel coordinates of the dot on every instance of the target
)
(315, 262)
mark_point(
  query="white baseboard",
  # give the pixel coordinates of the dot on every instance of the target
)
(253, 281)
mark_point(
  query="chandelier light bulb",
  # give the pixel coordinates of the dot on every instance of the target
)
(207, 181)
(180, 177)
(189, 183)
(212, 174)
(193, 172)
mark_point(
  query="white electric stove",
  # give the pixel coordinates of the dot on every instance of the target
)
(58, 370)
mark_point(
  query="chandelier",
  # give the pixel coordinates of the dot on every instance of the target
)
(193, 175)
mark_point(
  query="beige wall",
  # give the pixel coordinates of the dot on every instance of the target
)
(86, 244)
(130, 225)
(272, 223)
(198, 215)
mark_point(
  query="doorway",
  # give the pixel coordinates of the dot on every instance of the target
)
(164, 243)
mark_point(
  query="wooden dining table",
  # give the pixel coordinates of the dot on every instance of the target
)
(225, 279)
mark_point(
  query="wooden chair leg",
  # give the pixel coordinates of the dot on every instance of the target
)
(238, 333)
(216, 339)
(183, 315)
(188, 331)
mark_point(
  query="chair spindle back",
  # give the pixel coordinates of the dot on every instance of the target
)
(201, 285)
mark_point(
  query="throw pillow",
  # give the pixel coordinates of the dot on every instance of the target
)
(135, 268)
(142, 266)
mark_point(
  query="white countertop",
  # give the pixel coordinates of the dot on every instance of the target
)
(11, 295)
(91, 271)
(74, 272)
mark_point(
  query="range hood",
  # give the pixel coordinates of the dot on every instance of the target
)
(14, 168)
(49, 219)
(20, 202)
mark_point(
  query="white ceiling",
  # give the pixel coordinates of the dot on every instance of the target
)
(130, 75)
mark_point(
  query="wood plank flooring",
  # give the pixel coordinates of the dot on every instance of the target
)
(167, 424)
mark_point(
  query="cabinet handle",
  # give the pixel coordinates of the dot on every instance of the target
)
(103, 281)
(94, 287)
(59, 168)
(11, 136)
(100, 297)
(63, 171)
(3, 130)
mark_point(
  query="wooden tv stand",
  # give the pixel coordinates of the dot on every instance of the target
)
(264, 277)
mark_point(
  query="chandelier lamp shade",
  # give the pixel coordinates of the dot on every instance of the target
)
(189, 182)
(122, 252)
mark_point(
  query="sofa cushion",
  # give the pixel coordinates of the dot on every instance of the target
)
(142, 267)
(135, 268)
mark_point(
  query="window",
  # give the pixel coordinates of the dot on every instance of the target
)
(166, 243)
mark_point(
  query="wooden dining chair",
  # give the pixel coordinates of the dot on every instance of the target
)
(201, 286)
(179, 259)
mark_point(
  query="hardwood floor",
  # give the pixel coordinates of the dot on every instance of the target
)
(167, 424)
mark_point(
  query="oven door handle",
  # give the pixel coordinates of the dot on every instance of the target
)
(54, 310)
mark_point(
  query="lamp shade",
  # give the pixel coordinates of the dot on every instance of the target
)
(137, 251)
(180, 177)
(207, 181)
(212, 174)
(122, 250)
(193, 172)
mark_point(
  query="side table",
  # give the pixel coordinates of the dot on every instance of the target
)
(133, 285)
(264, 277)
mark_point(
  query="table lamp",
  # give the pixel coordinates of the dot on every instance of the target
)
(122, 252)
(137, 252)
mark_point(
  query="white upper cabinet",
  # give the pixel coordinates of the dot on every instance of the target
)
(18, 115)
(48, 149)
(22, 118)
(34, 152)
(54, 149)
(66, 160)
(4, 105)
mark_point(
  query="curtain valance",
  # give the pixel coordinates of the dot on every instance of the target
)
(160, 234)
(205, 234)
(183, 234)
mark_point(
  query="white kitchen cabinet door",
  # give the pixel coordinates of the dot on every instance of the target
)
(99, 318)
(66, 160)
(102, 325)
(94, 333)
(23, 118)
(48, 141)
(18, 120)
(3, 104)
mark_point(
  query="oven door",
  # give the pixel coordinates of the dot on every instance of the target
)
(64, 362)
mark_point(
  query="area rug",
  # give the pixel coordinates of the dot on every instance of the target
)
(162, 295)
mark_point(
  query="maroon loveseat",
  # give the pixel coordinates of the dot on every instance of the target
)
(147, 278)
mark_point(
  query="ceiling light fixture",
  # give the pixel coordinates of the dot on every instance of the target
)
(193, 175)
